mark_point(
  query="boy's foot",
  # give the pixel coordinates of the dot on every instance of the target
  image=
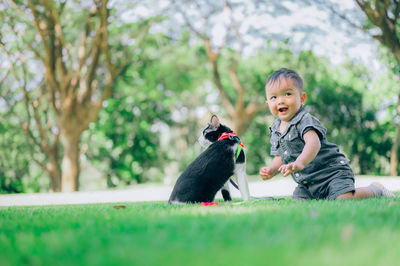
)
(380, 190)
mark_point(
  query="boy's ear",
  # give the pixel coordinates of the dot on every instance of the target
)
(303, 98)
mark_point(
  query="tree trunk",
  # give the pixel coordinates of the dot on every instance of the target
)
(394, 156)
(240, 124)
(70, 164)
(54, 172)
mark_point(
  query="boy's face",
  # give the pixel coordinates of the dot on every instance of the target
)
(284, 99)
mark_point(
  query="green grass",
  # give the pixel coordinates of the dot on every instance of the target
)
(263, 232)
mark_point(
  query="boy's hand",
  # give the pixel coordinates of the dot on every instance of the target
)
(287, 169)
(267, 173)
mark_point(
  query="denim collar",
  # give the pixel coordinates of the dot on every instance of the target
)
(296, 118)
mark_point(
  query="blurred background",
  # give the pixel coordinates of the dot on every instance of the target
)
(106, 94)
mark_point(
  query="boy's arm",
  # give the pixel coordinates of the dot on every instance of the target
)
(272, 170)
(310, 150)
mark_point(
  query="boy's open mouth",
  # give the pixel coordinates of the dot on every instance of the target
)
(283, 109)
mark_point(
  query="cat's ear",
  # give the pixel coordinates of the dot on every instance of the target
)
(215, 121)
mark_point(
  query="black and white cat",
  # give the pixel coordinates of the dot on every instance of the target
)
(212, 169)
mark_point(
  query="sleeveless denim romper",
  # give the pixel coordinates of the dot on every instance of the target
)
(328, 175)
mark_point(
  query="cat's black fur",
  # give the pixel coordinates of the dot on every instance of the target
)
(211, 170)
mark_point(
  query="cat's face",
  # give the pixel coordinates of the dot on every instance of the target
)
(212, 132)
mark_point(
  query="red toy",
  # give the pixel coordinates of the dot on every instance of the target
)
(206, 204)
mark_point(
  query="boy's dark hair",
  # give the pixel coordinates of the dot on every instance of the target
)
(287, 74)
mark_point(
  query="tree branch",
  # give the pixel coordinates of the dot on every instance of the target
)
(345, 18)
(396, 11)
(41, 26)
(253, 108)
(239, 89)
(191, 27)
(234, 26)
(26, 96)
(212, 58)
(378, 15)
(60, 43)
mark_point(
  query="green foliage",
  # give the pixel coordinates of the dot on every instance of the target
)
(17, 170)
(285, 232)
(14, 164)
(127, 134)
(163, 99)
(335, 95)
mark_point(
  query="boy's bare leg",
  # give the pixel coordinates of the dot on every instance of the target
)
(374, 190)
(360, 193)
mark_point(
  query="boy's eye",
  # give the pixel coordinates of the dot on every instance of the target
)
(288, 94)
(272, 98)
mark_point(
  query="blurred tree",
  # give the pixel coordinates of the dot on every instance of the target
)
(226, 35)
(14, 160)
(160, 83)
(227, 32)
(65, 61)
(163, 90)
(224, 60)
(383, 25)
(385, 16)
(334, 95)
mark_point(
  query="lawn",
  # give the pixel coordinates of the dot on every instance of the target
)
(262, 232)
